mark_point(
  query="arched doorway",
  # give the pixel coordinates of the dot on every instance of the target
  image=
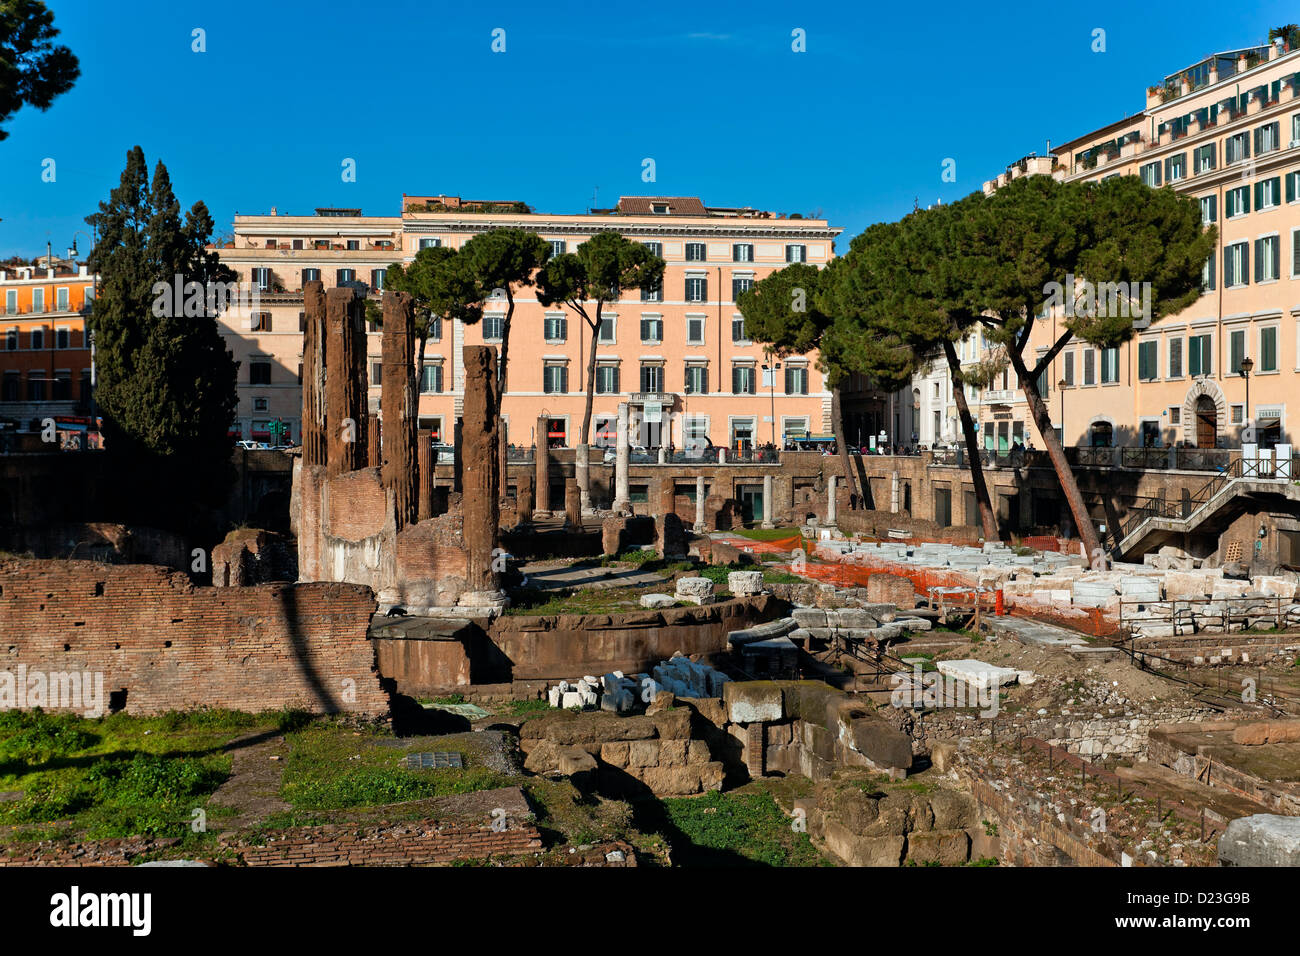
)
(1207, 422)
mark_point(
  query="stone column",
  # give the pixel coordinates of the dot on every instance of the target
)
(480, 507)
(313, 374)
(542, 494)
(426, 462)
(397, 406)
(895, 493)
(700, 526)
(663, 455)
(503, 460)
(374, 452)
(524, 496)
(830, 499)
(722, 456)
(572, 505)
(345, 382)
(582, 469)
(769, 502)
(622, 451)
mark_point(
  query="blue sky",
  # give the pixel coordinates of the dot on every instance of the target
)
(857, 127)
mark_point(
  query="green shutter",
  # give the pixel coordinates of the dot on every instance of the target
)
(1259, 195)
(1290, 187)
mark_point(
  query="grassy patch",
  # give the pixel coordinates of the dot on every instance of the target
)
(525, 708)
(741, 828)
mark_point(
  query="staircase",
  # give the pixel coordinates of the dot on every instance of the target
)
(1243, 477)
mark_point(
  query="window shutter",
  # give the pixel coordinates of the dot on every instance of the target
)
(1258, 138)
(1259, 195)
(1214, 211)
(1275, 247)
(1259, 260)
(1290, 187)
(1295, 252)
(1230, 204)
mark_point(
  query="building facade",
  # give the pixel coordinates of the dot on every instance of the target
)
(679, 355)
(45, 358)
(1225, 131)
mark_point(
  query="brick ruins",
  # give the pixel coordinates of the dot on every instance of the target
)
(371, 522)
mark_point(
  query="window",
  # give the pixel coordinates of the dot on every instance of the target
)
(738, 329)
(431, 378)
(695, 329)
(435, 328)
(493, 327)
(1208, 210)
(1268, 193)
(262, 279)
(260, 321)
(377, 279)
(11, 301)
(261, 404)
(697, 379)
(259, 373)
(62, 338)
(13, 385)
(310, 275)
(653, 292)
(1068, 369)
(35, 387)
(11, 340)
(652, 328)
(739, 285)
(656, 248)
(796, 253)
(1207, 274)
(353, 245)
(697, 289)
(1266, 258)
(1203, 159)
(556, 328)
(297, 244)
(1089, 366)
(1150, 174)
(1292, 182)
(376, 375)
(61, 300)
(1148, 361)
(1236, 414)
(1176, 357)
(607, 330)
(695, 252)
(558, 247)
(344, 277)
(742, 379)
(1268, 349)
(742, 252)
(555, 378)
(1175, 414)
(1295, 130)
(1176, 168)
(1198, 355)
(430, 243)
(1236, 265)
(1266, 139)
(1236, 350)
(607, 379)
(1236, 202)
(38, 338)
(796, 380)
(1236, 148)
(652, 377)
(1109, 366)
(696, 432)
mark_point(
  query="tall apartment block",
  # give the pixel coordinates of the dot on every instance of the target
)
(679, 353)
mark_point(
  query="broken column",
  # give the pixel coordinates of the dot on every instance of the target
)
(700, 526)
(542, 495)
(622, 498)
(830, 499)
(425, 461)
(480, 508)
(572, 504)
(345, 382)
(397, 406)
(769, 503)
(524, 497)
(313, 374)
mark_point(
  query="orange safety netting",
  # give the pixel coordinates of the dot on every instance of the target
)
(779, 546)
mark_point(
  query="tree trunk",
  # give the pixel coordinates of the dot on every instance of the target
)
(850, 472)
(1038, 408)
(419, 369)
(988, 520)
(505, 341)
(582, 467)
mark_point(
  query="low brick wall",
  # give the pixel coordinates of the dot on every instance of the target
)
(163, 644)
(409, 844)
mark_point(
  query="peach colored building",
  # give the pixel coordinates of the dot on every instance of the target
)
(1226, 131)
(45, 359)
(679, 354)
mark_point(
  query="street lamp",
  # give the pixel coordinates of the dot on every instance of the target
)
(771, 380)
(1060, 387)
(1244, 370)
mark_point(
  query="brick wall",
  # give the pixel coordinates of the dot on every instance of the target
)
(410, 844)
(174, 646)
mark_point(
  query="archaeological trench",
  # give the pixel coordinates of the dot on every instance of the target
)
(905, 693)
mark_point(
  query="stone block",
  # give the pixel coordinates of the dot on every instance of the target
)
(744, 583)
(752, 701)
(711, 775)
(695, 590)
(697, 753)
(673, 724)
(643, 753)
(672, 753)
(574, 760)
(615, 753)
(658, 600)
(1263, 839)
(856, 850)
(946, 847)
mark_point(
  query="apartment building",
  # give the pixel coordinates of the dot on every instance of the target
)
(45, 358)
(678, 355)
(1226, 131)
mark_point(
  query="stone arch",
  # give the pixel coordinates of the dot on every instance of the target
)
(1100, 420)
(1210, 389)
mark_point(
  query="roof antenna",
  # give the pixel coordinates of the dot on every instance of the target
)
(594, 191)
